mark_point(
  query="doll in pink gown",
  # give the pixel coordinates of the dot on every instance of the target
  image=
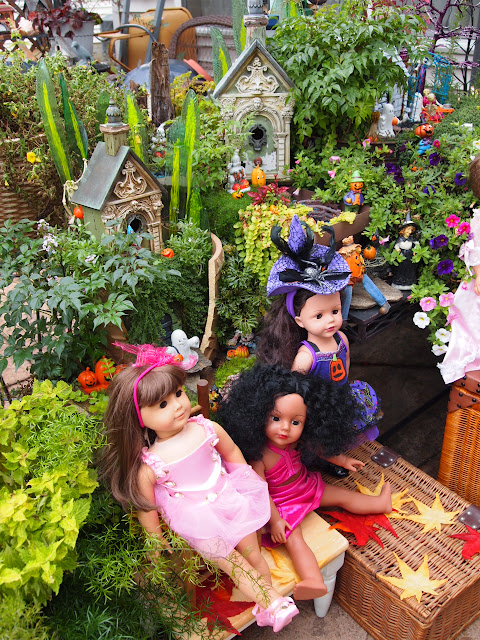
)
(278, 418)
(464, 347)
(190, 476)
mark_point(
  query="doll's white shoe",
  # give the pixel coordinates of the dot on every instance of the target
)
(278, 614)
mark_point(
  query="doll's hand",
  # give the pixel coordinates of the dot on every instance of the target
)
(346, 462)
(476, 286)
(277, 530)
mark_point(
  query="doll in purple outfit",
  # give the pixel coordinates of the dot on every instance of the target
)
(278, 417)
(302, 328)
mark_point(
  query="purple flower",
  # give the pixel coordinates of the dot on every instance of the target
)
(434, 159)
(459, 179)
(444, 267)
(429, 188)
(439, 242)
(396, 171)
(402, 148)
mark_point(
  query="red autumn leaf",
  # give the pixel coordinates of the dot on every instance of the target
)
(213, 602)
(361, 525)
(472, 540)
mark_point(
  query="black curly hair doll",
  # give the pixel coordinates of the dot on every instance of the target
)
(331, 411)
(278, 417)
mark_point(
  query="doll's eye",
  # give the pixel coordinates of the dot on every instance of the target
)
(295, 423)
(163, 404)
(335, 311)
(319, 315)
(275, 418)
(179, 393)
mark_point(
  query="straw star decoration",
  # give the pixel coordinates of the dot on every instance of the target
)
(414, 583)
(432, 517)
(397, 498)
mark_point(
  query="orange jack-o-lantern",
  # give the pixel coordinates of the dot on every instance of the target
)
(231, 353)
(369, 252)
(337, 370)
(241, 352)
(104, 371)
(88, 381)
(424, 130)
(237, 195)
(356, 187)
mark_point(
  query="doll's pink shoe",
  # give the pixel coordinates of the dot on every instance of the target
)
(278, 614)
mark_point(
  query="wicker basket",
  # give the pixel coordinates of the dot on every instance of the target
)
(459, 462)
(376, 605)
(13, 206)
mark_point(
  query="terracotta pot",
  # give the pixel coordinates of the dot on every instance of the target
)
(345, 229)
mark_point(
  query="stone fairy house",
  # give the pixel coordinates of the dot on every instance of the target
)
(256, 85)
(118, 186)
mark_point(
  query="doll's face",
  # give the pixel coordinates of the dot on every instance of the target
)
(321, 316)
(167, 417)
(286, 421)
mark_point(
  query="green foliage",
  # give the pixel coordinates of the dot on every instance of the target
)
(184, 296)
(221, 56)
(19, 620)
(232, 367)
(69, 286)
(76, 134)
(222, 211)
(45, 496)
(239, 9)
(136, 121)
(467, 109)
(340, 60)
(53, 126)
(241, 301)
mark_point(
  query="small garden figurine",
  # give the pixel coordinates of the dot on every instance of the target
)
(236, 175)
(425, 133)
(355, 196)
(258, 175)
(352, 253)
(405, 272)
(183, 346)
(386, 121)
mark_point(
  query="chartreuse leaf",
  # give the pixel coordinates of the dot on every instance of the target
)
(53, 126)
(191, 116)
(101, 107)
(138, 134)
(221, 55)
(239, 32)
(175, 191)
(76, 134)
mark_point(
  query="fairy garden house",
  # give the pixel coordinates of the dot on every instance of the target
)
(118, 186)
(257, 87)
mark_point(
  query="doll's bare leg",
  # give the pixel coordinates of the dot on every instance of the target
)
(250, 582)
(250, 549)
(311, 583)
(357, 502)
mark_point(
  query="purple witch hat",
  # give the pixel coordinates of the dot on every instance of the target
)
(306, 265)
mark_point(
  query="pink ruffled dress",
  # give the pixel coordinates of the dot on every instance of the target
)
(296, 499)
(464, 346)
(213, 505)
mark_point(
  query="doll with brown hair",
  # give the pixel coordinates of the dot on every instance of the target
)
(302, 329)
(189, 473)
(287, 416)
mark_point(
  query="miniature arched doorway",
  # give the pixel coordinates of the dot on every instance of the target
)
(137, 223)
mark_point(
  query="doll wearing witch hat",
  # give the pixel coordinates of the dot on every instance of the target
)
(302, 328)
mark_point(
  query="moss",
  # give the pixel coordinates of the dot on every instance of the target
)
(222, 211)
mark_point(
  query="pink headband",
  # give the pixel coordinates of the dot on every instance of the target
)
(146, 354)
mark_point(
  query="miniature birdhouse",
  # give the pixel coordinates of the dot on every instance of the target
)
(118, 186)
(256, 87)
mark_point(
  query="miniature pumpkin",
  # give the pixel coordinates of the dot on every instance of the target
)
(237, 195)
(424, 130)
(259, 178)
(273, 209)
(178, 357)
(241, 352)
(231, 353)
(337, 370)
(369, 252)
(78, 212)
(167, 253)
(88, 381)
(104, 371)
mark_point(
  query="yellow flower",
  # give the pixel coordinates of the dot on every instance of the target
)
(31, 157)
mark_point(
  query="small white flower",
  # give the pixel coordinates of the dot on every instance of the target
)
(92, 258)
(476, 144)
(443, 335)
(25, 25)
(49, 243)
(439, 349)
(421, 319)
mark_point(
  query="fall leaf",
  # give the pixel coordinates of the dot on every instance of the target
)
(361, 525)
(285, 571)
(472, 539)
(414, 583)
(432, 517)
(397, 498)
(213, 602)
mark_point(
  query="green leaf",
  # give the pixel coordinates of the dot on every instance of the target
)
(76, 134)
(138, 134)
(221, 56)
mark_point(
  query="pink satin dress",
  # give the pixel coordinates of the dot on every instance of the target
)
(464, 346)
(295, 499)
(213, 505)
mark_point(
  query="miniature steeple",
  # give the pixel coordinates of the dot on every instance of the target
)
(115, 131)
(255, 23)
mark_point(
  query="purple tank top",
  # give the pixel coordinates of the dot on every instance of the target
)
(331, 365)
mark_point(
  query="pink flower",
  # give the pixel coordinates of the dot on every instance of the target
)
(331, 173)
(297, 161)
(464, 286)
(427, 304)
(296, 192)
(409, 297)
(463, 227)
(436, 143)
(289, 170)
(366, 143)
(452, 221)
(445, 299)
(334, 158)
(450, 317)
(384, 240)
